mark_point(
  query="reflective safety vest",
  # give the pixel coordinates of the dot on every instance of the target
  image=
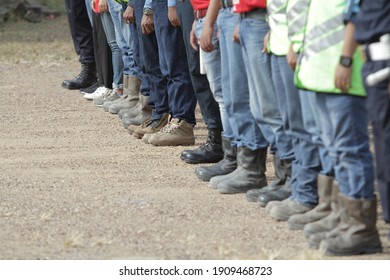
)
(296, 21)
(321, 50)
(278, 41)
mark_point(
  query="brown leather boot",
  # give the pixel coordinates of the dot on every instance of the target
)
(359, 234)
(324, 189)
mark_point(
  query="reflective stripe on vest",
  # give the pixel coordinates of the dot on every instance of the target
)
(321, 50)
(296, 21)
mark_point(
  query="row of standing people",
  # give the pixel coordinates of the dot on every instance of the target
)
(283, 77)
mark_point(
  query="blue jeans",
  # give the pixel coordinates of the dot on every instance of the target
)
(344, 131)
(313, 127)
(123, 38)
(117, 62)
(212, 65)
(208, 106)
(307, 164)
(264, 105)
(149, 61)
(173, 64)
(235, 90)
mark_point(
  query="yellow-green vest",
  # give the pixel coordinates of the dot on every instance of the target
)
(321, 50)
(278, 42)
(296, 22)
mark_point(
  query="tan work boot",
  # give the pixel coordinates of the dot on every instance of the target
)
(151, 126)
(286, 208)
(359, 234)
(176, 132)
(324, 189)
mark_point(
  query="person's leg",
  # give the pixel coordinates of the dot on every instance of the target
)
(81, 31)
(117, 62)
(211, 151)
(378, 107)
(173, 64)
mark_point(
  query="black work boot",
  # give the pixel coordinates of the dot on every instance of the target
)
(249, 174)
(280, 180)
(86, 78)
(225, 166)
(209, 152)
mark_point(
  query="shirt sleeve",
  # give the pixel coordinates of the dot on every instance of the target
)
(148, 4)
(351, 10)
(171, 3)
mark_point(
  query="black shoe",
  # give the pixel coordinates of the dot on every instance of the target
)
(90, 89)
(209, 152)
(86, 78)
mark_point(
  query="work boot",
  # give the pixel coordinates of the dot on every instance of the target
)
(331, 225)
(360, 235)
(288, 207)
(278, 192)
(151, 126)
(249, 174)
(86, 78)
(280, 180)
(209, 152)
(122, 112)
(227, 165)
(326, 224)
(107, 104)
(131, 99)
(324, 190)
(144, 114)
(176, 132)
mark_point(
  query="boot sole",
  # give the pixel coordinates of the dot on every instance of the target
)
(190, 161)
(359, 251)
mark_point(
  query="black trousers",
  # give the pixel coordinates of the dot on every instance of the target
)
(208, 106)
(81, 30)
(103, 57)
(378, 107)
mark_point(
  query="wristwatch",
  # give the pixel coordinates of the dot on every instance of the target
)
(346, 61)
(148, 12)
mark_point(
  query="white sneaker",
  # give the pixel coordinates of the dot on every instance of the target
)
(100, 91)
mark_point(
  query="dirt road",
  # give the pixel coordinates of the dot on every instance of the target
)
(75, 185)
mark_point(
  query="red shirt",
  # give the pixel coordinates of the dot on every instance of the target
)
(243, 6)
(200, 4)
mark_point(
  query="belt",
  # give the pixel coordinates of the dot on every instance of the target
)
(226, 4)
(256, 14)
(198, 14)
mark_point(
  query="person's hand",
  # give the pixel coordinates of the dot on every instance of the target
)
(291, 58)
(103, 7)
(206, 37)
(193, 39)
(172, 16)
(265, 43)
(343, 77)
(128, 15)
(236, 38)
(147, 24)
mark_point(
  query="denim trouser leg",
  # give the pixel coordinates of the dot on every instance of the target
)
(264, 105)
(306, 165)
(135, 30)
(378, 106)
(235, 90)
(345, 133)
(208, 106)
(149, 55)
(117, 62)
(173, 64)
(313, 127)
(123, 37)
(212, 65)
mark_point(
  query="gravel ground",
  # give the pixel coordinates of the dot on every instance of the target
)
(75, 185)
